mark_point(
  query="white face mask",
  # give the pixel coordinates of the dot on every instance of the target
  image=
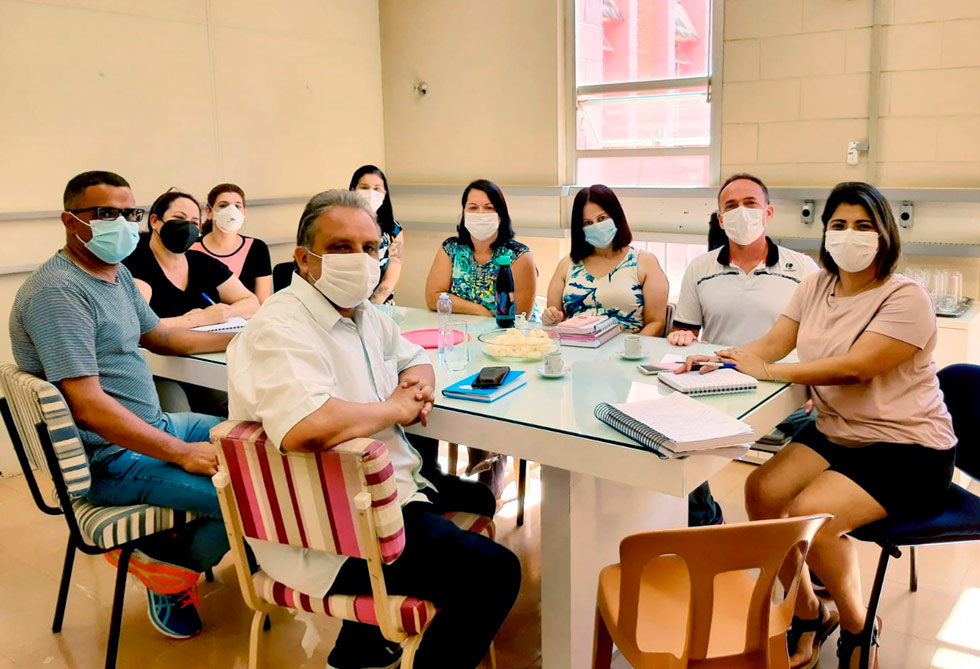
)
(229, 219)
(347, 279)
(852, 250)
(744, 225)
(481, 226)
(371, 198)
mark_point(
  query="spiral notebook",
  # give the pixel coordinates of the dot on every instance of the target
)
(233, 324)
(676, 423)
(720, 381)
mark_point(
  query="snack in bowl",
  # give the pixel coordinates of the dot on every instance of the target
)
(515, 344)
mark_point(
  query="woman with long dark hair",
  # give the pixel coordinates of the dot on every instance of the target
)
(603, 275)
(184, 288)
(371, 186)
(466, 265)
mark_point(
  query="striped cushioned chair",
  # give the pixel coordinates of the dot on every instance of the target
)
(344, 501)
(44, 436)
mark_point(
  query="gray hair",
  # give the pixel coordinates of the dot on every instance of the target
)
(320, 203)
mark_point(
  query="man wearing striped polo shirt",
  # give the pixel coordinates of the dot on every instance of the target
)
(733, 295)
(79, 321)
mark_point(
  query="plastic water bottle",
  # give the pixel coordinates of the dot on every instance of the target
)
(506, 306)
(444, 307)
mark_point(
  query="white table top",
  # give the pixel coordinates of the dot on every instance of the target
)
(565, 405)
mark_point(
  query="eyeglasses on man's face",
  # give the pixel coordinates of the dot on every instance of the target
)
(133, 215)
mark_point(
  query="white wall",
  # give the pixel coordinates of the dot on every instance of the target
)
(283, 99)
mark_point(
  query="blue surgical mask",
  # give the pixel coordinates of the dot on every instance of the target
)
(601, 233)
(112, 241)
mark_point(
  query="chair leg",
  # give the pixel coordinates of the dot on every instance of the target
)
(409, 647)
(913, 571)
(115, 618)
(521, 489)
(209, 575)
(59, 609)
(602, 644)
(254, 637)
(493, 656)
(873, 601)
(453, 458)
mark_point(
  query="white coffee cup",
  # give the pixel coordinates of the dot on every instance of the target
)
(633, 346)
(553, 364)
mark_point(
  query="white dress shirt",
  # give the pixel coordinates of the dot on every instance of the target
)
(296, 353)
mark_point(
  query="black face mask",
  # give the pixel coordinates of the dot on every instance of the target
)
(178, 235)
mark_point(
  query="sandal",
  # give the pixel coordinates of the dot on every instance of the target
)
(851, 641)
(821, 627)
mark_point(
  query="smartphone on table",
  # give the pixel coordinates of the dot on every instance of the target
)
(652, 369)
(491, 377)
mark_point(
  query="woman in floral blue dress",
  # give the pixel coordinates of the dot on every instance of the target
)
(466, 265)
(604, 275)
(466, 268)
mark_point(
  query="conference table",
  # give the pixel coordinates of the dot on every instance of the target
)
(597, 485)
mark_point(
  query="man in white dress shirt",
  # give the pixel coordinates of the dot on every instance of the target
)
(318, 365)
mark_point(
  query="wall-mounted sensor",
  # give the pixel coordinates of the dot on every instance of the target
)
(421, 88)
(806, 212)
(906, 214)
(854, 150)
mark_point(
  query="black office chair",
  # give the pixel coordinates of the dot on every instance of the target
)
(960, 519)
(282, 275)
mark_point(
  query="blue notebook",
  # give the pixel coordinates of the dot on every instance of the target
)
(463, 390)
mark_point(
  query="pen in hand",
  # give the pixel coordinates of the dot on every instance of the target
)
(707, 367)
(210, 301)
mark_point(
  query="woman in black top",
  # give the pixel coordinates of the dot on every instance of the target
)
(247, 257)
(185, 288)
(369, 184)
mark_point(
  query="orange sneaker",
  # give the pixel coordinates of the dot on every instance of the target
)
(158, 576)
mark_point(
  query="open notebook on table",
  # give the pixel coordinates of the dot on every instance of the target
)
(675, 423)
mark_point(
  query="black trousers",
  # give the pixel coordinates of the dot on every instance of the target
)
(437, 557)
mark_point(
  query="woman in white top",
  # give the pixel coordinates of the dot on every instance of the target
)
(603, 275)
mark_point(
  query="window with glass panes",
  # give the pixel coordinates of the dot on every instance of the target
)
(643, 98)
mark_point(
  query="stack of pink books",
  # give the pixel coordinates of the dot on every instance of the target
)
(588, 331)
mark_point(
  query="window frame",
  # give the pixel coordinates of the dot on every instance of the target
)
(712, 83)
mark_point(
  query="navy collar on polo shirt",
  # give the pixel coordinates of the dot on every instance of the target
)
(772, 254)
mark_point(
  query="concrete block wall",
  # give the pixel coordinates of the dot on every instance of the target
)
(797, 81)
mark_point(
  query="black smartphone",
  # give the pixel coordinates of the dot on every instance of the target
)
(491, 377)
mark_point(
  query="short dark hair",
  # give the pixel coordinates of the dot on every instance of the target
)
(604, 197)
(162, 204)
(505, 232)
(385, 216)
(879, 211)
(76, 187)
(748, 177)
(716, 234)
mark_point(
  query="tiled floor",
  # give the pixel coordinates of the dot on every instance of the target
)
(935, 627)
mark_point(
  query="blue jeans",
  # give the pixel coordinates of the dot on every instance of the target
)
(132, 478)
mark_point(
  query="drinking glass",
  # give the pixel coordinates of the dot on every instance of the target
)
(457, 356)
(954, 291)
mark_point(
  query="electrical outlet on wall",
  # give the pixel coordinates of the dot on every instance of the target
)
(854, 149)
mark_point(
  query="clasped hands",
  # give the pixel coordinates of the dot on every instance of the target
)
(413, 399)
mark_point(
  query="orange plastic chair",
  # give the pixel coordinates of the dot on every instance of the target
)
(685, 598)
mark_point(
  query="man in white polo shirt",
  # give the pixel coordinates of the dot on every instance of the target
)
(733, 295)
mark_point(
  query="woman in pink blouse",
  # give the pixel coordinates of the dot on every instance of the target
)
(883, 443)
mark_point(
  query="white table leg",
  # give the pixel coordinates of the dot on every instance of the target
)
(583, 519)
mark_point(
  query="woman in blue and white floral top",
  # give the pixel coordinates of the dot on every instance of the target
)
(604, 275)
(466, 265)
